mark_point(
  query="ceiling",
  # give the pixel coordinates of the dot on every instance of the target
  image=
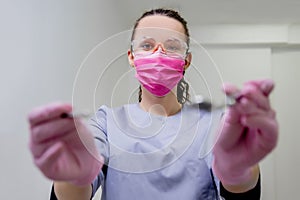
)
(198, 12)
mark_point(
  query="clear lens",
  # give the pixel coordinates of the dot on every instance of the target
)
(173, 47)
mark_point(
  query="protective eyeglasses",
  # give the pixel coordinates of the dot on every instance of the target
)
(172, 47)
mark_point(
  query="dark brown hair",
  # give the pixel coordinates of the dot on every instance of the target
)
(182, 86)
(164, 12)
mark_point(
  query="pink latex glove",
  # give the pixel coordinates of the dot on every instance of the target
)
(249, 132)
(63, 148)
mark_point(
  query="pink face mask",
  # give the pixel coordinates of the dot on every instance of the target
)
(158, 73)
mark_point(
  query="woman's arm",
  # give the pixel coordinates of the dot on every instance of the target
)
(67, 191)
(243, 192)
(248, 133)
(247, 185)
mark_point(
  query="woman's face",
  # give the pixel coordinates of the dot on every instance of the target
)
(161, 29)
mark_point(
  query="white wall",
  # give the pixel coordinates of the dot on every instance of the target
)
(286, 70)
(42, 46)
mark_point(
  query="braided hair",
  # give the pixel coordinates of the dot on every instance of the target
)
(182, 86)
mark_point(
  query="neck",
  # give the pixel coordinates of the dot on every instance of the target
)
(165, 106)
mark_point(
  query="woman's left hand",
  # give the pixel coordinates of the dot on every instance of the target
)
(248, 132)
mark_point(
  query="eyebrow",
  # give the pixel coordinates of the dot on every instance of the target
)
(174, 38)
(168, 39)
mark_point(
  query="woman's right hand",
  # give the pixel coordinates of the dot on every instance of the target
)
(63, 148)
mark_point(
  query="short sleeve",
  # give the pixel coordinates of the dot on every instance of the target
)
(98, 126)
(216, 182)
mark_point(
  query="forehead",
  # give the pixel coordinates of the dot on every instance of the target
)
(160, 27)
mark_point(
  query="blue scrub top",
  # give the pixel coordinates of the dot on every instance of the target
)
(156, 157)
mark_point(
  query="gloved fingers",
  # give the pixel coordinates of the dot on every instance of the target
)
(228, 134)
(256, 95)
(247, 107)
(253, 101)
(265, 85)
(230, 89)
(255, 90)
(253, 120)
(231, 114)
(48, 112)
(231, 133)
(86, 138)
(243, 107)
(51, 130)
(38, 149)
(267, 127)
(58, 163)
(48, 162)
(233, 126)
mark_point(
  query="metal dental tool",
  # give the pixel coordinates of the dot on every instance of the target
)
(71, 115)
(229, 101)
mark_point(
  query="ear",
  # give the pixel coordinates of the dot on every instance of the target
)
(188, 60)
(130, 58)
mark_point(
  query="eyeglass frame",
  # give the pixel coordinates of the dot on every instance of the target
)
(183, 55)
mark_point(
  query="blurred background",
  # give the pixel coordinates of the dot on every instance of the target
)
(44, 47)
